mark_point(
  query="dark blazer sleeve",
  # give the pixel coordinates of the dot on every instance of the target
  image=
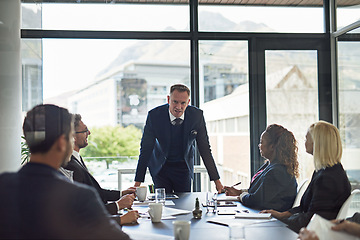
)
(96, 223)
(355, 218)
(146, 148)
(273, 189)
(202, 140)
(111, 208)
(327, 191)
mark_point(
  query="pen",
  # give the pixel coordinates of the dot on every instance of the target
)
(236, 184)
(241, 211)
(341, 221)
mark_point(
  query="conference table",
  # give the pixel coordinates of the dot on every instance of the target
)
(256, 229)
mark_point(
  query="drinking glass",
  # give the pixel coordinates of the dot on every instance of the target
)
(160, 195)
(236, 232)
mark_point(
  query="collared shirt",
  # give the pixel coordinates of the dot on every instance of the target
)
(78, 157)
(172, 118)
(69, 174)
(76, 154)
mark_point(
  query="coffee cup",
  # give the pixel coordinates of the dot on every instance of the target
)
(141, 193)
(181, 230)
(155, 212)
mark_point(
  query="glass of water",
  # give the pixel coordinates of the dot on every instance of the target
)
(160, 195)
(236, 232)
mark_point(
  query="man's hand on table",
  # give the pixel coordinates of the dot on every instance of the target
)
(129, 217)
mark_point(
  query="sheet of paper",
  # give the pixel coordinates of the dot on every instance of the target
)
(174, 211)
(146, 202)
(138, 235)
(253, 215)
(166, 214)
(227, 220)
(322, 227)
(228, 198)
(146, 216)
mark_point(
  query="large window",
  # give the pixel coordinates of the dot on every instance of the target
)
(349, 107)
(225, 101)
(114, 62)
(113, 81)
(292, 97)
(31, 66)
(261, 19)
(347, 16)
(111, 17)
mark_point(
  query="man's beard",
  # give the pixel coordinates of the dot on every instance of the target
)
(83, 145)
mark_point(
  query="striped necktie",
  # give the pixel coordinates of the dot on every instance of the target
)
(177, 121)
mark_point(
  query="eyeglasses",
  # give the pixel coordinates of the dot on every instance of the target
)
(85, 131)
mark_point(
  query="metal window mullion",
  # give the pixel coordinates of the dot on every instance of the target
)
(194, 76)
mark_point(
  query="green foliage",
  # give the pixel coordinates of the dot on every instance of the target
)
(112, 141)
(25, 153)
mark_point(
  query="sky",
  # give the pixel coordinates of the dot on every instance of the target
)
(70, 64)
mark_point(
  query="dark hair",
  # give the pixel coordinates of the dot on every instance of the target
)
(180, 88)
(285, 146)
(44, 124)
(76, 119)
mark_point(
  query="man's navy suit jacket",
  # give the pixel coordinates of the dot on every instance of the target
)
(38, 202)
(82, 175)
(155, 143)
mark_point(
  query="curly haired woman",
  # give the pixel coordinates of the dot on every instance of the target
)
(274, 185)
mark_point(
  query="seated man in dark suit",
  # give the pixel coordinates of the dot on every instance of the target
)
(38, 202)
(82, 175)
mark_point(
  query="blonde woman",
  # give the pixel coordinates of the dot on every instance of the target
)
(274, 185)
(329, 186)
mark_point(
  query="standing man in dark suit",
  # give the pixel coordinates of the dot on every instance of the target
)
(168, 144)
(38, 202)
(119, 200)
